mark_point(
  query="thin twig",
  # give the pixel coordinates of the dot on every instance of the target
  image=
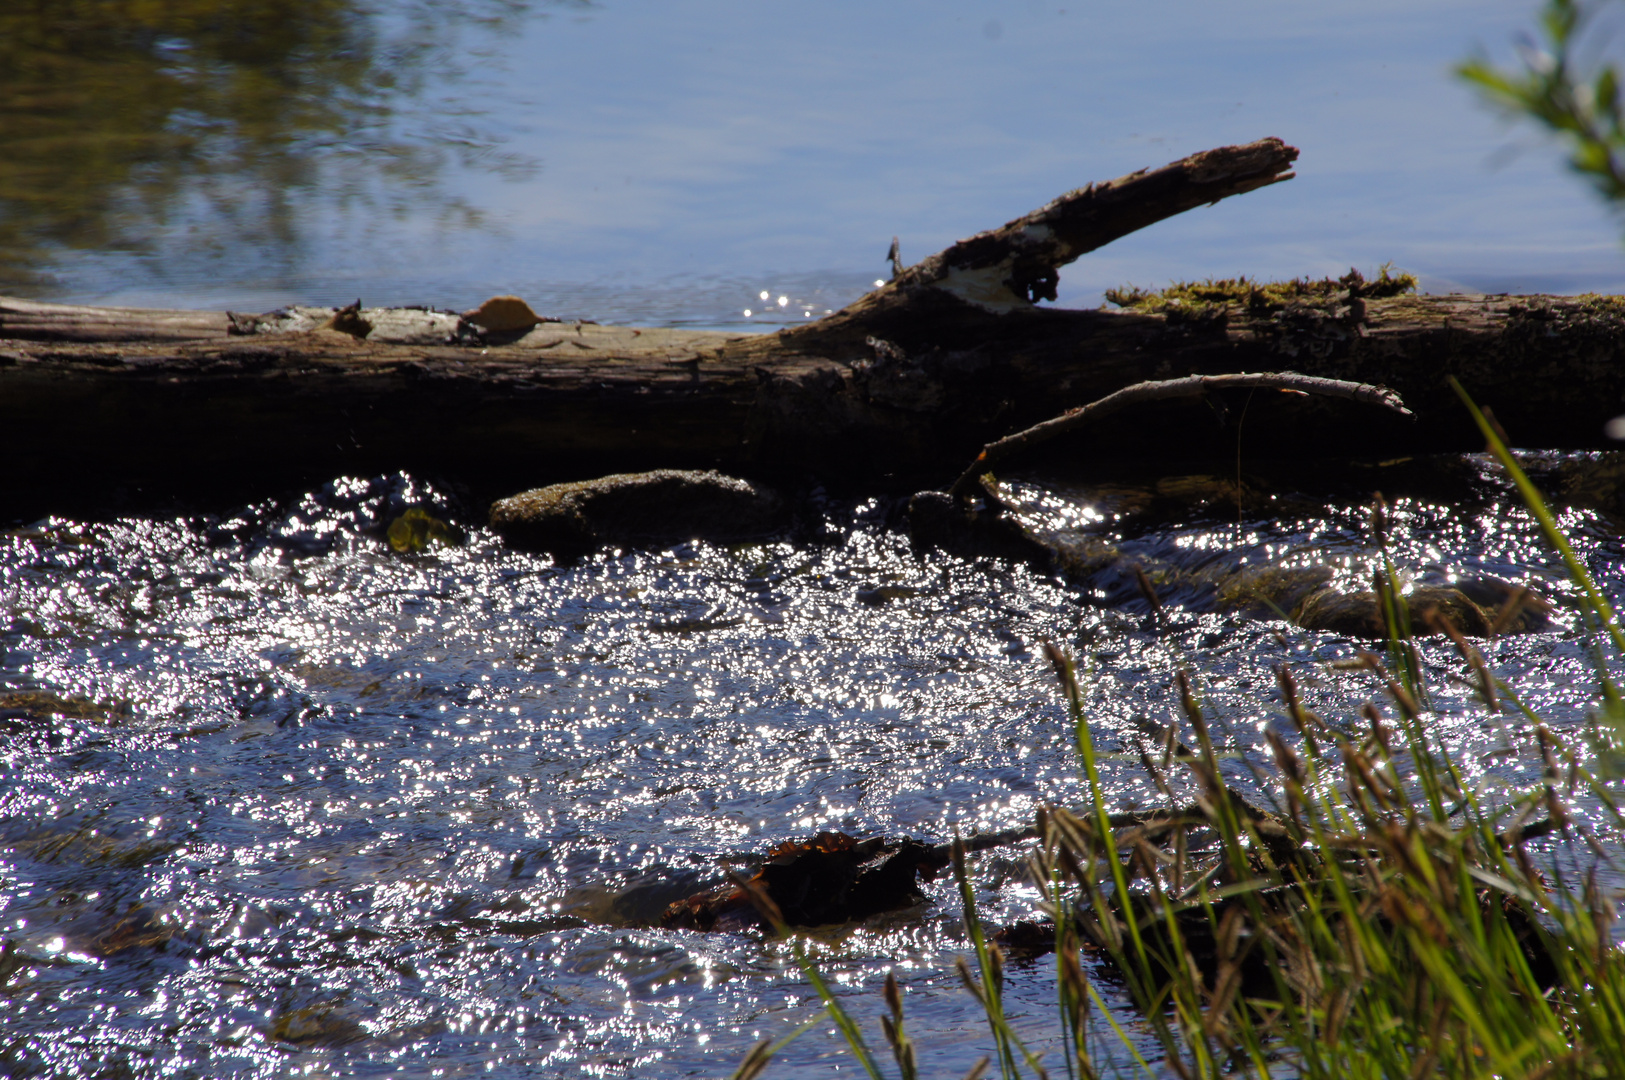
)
(1190, 386)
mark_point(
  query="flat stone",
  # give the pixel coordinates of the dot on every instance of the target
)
(651, 509)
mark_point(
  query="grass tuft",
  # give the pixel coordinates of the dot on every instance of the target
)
(1384, 921)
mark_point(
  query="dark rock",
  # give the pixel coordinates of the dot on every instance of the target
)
(667, 506)
(831, 879)
(1026, 938)
(937, 519)
(1595, 479)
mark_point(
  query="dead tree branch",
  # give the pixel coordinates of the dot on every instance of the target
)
(1016, 263)
(1011, 268)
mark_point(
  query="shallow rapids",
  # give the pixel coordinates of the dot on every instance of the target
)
(277, 800)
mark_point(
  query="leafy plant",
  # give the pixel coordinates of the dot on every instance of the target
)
(1555, 88)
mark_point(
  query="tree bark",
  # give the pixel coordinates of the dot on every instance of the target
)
(32, 320)
(110, 410)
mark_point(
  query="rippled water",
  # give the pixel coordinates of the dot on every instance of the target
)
(278, 800)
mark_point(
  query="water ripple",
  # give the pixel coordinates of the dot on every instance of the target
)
(279, 800)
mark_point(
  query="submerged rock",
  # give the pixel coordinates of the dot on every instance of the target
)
(937, 519)
(1360, 614)
(834, 878)
(667, 506)
(1310, 596)
(416, 530)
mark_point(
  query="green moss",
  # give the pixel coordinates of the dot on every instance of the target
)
(416, 530)
(1260, 297)
(1599, 304)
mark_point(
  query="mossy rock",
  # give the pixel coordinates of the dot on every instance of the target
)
(1360, 614)
(1270, 591)
(651, 509)
(416, 530)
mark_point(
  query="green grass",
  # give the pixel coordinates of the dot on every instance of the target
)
(1384, 921)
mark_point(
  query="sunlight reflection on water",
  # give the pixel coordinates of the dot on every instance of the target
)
(324, 805)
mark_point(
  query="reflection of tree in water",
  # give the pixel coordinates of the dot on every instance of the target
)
(140, 125)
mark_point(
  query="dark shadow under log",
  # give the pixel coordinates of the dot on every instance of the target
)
(1079, 418)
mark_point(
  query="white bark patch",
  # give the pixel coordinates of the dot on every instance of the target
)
(983, 286)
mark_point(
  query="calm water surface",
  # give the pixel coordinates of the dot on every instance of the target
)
(306, 806)
(668, 162)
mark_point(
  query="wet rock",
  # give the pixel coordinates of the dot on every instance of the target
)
(937, 519)
(993, 525)
(1026, 937)
(1360, 614)
(1596, 480)
(831, 879)
(660, 508)
(1305, 595)
(1268, 592)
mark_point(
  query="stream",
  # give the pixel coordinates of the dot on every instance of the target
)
(278, 800)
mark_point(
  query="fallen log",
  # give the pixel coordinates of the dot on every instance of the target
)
(110, 410)
(35, 321)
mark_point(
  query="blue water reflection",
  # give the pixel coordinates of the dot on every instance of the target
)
(691, 155)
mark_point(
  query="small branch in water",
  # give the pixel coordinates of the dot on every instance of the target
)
(1190, 386)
